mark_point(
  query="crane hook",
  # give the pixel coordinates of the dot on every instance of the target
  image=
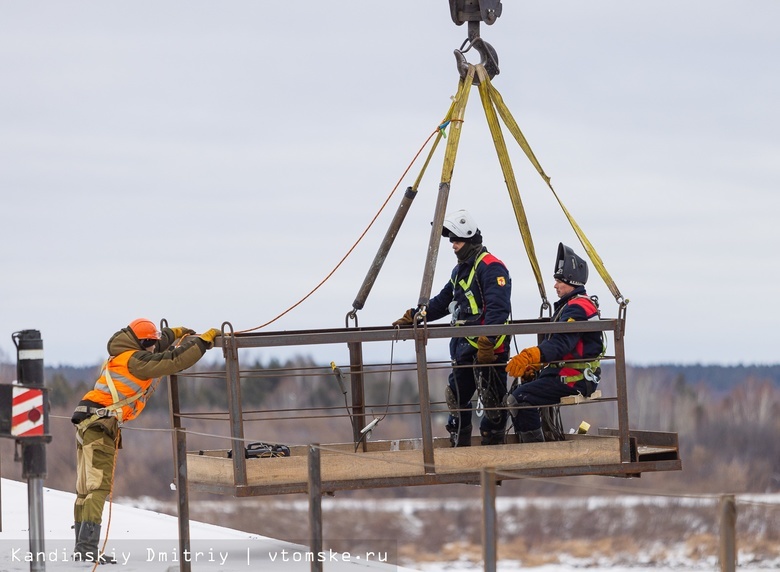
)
(488, 55)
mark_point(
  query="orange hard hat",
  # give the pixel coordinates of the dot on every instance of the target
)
(145, 329)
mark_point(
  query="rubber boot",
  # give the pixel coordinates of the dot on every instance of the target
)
(87, 545)
(535, 436)
(76, 528)
(492, 437)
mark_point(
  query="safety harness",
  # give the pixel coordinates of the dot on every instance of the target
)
(572, 372)
(465, 285)
(106, 383)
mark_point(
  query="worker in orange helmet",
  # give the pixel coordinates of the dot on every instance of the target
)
(138, 355)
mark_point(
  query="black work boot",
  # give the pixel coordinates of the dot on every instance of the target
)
(535, 436)
(459, 437)
(87, 545)
(492, 437)
(76, 527)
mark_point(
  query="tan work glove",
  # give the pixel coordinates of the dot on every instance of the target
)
(407, 319)
(485, 350)
(530, 372)
(518, 364)
(209, 336)
(181, 331)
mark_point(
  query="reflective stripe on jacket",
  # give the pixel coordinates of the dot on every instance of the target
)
(118, 389)
(478, 292)
(574, 356)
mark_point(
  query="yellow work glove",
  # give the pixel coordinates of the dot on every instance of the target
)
(407, 319)
(485, 350)
(180, 331)
(518, 364)
(209, 336)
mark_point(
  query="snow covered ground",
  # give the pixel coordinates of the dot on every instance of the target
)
(145, 540)
(142, 539)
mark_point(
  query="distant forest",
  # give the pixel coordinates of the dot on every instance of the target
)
(727, 419)
(67, 383)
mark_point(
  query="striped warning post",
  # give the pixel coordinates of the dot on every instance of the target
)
(27, 412)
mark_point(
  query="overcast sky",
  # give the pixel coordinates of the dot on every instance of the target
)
(212, 161)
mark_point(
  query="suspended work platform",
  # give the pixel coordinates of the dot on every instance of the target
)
(424, 460)
(400, 463)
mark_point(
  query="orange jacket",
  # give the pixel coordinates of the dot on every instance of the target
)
(116, 384)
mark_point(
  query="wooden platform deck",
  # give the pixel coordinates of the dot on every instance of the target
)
(400, 463)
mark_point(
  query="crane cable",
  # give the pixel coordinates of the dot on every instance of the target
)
(493, 98)
(439, 133)
(509, 178)
(492, 102)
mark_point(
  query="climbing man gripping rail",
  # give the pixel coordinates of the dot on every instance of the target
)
(138, 354)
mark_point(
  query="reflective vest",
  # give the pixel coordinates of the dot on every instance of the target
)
(571, 373)
(123, 394)
(475, 310)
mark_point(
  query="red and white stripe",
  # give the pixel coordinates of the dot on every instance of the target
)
(27, 412)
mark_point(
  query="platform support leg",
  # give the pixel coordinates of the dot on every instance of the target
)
(183, 498)
(489, 518)
(315, 506)
(425, 402)
(358, 392)
(728, 534)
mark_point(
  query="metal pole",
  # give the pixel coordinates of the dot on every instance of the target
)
(183, 498)
(425, 400)
(232, 373)
(174, 408)
(489, 518)
(315, 507)
(357, 384)
(35, 511)
(30, 374)
(728, 533)
(622, 396)
(384, 248)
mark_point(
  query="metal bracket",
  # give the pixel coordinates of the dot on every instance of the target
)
(487, 11)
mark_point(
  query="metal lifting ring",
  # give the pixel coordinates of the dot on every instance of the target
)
(545, 306)
(351, 315)
(228, 340)
(488, 58)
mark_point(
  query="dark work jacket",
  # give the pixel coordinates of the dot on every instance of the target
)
(574, 307)
(486, 299)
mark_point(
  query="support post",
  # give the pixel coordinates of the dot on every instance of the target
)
(236, 413)
(622, 397)
(357, 385)
(174, 408)
(315, 506)
(425, 400)
(489, 520)
(728, 534)
(30, 403)
(183, 498)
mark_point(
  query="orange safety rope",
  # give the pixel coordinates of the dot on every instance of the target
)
(436, 131)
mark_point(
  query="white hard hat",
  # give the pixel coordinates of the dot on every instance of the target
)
(459, 224)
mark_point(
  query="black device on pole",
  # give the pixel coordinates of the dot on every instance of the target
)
(27, 417)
